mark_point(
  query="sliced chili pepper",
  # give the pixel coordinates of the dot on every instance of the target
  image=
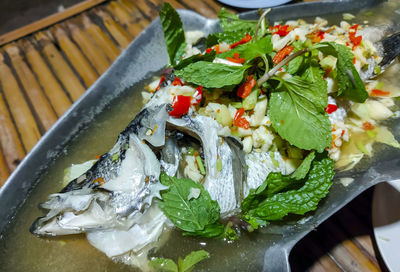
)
(245, 89)
(240, 121)
(177, 81)
(355, 40)
(197, 96)
(208, 50)
(162, 79)
(331, 108)
(281, 30)
(368, 126)
(376, 92)
(239, 113)
(354, 27)
(236, 58)
(180, 105)
(216, 48)
(245, 39)
(316, 36)
(282, 54)
(352, 35)
(354, 60)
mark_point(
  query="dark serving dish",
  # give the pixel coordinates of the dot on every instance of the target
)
(136, 63)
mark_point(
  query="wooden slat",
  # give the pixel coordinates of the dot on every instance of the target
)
(20, 111)
(101, 39)
(37, 98)
(50, 85)
(117, 31)
(348, 254)
(133, 25)
(216, 7)
(61, 68)
(75, 56)
(201, 8)
(3, 170)
(89, 48)
(147, 8)
(10, 143)
(47, 21)
(350, 222)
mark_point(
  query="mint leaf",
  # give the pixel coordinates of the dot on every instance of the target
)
(297, 63)
(174, 35)
(251, 50)
(304, 167)
(185, 265)
(350, 84)
(254, 222)
(314, 75)
(209, 57)
(161, 264)
(165, 179)
(192, 259)
(212, 75)
(255, 196)
(227, 36)
(297, 113)
(190, 215)
(300, 201)
(273, 184)
(230, 22)
(209, 231)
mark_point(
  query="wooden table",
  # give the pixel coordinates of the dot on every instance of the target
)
(43, 73)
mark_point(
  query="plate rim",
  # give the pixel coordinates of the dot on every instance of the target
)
(249, 4)
(380, 196)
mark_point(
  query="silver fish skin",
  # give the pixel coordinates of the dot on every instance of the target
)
(259, 165)
(224, 185)
(170, 156)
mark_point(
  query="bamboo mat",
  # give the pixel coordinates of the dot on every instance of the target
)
(42, 74)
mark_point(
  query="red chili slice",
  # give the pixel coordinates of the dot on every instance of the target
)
(282, 54)
(236, 58)
(376, 92)
(180, 105)
(352, 35)
(177, 81)
(245, 89)
(240, 121)
(197, 96)
(162, 79)
(245, 39)
(281, 30)
(331, 108)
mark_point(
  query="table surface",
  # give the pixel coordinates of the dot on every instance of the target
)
(41, 75)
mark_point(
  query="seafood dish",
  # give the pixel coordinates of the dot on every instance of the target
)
(244, 127)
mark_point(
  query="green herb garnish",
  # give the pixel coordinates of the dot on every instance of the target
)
(185, 265)
(174, 35)
(196, 216)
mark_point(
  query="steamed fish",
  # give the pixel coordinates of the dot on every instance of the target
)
(113, 202)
